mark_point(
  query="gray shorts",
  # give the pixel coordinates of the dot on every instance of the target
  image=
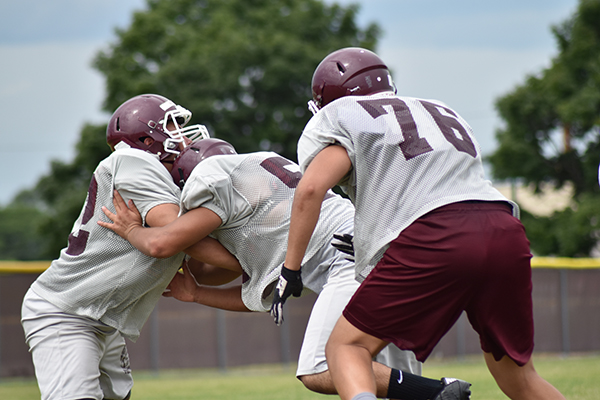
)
(333, 297)
(74, 357)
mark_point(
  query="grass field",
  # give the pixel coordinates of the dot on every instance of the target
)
(577, 377)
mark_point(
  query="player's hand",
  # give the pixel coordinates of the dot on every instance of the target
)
(126, 218)
(344, 243)
(182, 286)
(290, 283)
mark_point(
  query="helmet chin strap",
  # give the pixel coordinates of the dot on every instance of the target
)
(181, 180)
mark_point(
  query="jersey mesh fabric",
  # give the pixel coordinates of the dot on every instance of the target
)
(404, 164)
(100, 275)
(253, 194)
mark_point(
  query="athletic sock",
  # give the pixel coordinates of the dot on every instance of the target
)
(364, 396)
(404, 385)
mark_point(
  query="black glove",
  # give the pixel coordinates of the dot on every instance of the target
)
(345, 244)
(290, 283)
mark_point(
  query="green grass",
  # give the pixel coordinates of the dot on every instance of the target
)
(575, 376)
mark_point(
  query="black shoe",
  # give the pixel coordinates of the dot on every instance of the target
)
(454, 389)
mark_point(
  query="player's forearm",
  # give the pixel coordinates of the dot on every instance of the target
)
(212, 252)
(207, 274)
(325, 170)
(224, 298)
(152, 242)
(185, 231)
(305, 215)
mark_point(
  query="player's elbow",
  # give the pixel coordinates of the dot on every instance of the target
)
(160, 249)
(309, 194)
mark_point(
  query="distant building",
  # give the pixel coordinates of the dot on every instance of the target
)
(540, 204)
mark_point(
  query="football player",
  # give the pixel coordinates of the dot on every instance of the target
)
(432, 239)
(101, 289)
(244, 201)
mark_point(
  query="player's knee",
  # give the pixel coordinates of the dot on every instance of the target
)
(515, 381)
(332, 346)
(319, 383)
(309, 382)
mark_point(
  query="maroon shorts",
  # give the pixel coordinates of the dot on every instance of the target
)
(471, 256)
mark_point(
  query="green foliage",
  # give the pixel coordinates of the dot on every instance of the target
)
(18, 237)
(64, 189)
(243, 67)
(48, 211)
(572, 232)
(551, 134)
(529, 119)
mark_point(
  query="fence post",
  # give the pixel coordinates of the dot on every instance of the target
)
(0, 333)
(154, 341)
(221, 340)
(461, 347)
(564, 311)
(284, 332)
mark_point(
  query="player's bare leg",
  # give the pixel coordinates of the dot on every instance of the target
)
(395, 384)
(349, 354)
(520, 382)
(322, 382)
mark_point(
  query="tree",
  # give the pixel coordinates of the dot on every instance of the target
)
(18, 238)
(243, 67)
(63, 191)
(551, 134)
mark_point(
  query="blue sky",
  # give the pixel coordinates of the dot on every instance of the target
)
(465, 53)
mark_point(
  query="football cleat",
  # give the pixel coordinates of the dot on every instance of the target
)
(454, 389)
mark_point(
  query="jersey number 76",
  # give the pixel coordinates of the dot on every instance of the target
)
(414, 145)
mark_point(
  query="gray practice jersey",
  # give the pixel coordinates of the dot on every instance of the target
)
(100, 275)
(409, 156)
(253, 194)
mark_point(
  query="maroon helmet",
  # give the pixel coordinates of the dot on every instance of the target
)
(148, 115)
(196, 152)
(346, 72)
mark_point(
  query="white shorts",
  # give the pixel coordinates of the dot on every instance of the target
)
(336, 293)
(74, 357)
